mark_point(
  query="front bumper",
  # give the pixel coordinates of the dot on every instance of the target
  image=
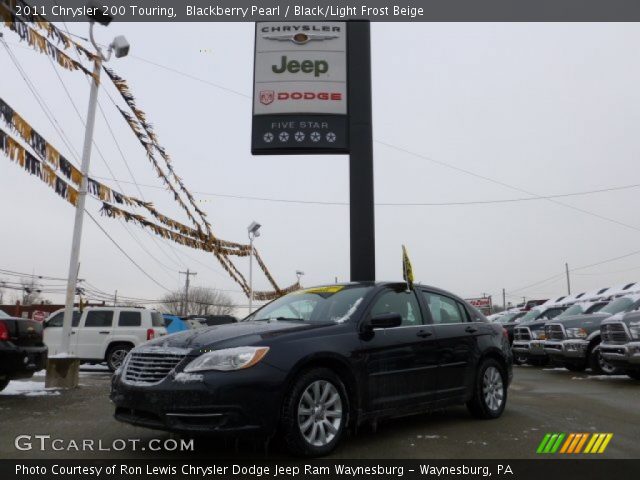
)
(626, 355)
(569, 349)
(234, 403)
(21, 362)
(529, 348)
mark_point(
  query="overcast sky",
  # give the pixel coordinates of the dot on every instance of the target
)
(545, 108)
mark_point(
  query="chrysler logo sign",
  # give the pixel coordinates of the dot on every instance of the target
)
(301, 38)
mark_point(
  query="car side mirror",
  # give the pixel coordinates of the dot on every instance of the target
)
(386, 320)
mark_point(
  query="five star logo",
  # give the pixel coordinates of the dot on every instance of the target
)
(315, 136)
(299, 136)
(268, 137)
(331, 137)
(283, 137)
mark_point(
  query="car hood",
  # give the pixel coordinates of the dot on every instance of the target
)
(628, 318)
(582, 319)
(230, 335)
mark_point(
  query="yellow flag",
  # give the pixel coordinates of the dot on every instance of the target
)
(407, 270)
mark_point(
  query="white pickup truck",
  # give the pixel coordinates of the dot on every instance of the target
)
(104, 334)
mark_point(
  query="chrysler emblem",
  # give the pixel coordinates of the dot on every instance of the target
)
(300, 38)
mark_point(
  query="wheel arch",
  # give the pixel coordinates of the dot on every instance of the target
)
(338, 365)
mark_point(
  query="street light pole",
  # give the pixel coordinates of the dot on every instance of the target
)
(79, 218)
(254, 231)
(62, 372)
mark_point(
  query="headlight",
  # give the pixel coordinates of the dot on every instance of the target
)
(576, 333)
(227, 359)
(538, 334)
(634, 330)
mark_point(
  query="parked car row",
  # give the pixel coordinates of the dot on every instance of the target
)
(598, 330)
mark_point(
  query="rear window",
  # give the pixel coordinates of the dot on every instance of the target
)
(100, 318)
(130, 319)
(57, 319)
(157, 320)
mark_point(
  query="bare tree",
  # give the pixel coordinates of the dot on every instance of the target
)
(31, 291)
(202, 301)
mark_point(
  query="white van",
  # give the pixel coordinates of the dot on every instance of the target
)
(104, 334)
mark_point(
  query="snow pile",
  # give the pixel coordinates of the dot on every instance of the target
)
(28, 388)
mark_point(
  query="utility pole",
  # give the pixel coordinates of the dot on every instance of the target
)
(566, 267)
(185, 309)
(504, 299)
(115, 299)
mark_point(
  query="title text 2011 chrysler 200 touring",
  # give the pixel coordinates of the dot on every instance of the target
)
(315, 362)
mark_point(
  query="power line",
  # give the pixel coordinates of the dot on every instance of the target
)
(403, 204)
(125, 253)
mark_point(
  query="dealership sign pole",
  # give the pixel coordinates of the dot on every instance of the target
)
(312, 95)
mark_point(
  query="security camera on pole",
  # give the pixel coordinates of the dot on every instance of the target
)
(62, 369)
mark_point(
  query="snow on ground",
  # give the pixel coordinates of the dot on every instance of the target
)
(84, 370)
(28, 388)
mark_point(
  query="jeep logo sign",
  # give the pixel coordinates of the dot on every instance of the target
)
(300, 88)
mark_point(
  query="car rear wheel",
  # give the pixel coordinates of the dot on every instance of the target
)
(490, 390)
(116, 355)
(3, 383)
(315, 413)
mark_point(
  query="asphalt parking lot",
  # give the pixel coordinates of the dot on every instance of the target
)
(540, 401)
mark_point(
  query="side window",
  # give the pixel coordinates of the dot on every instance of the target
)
(129, 319)
(99, 318)
(403, 303)
(444, 309)
(58, 318)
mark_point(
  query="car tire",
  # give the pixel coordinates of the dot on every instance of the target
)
(598, 365)
(490, 390)
(573, 367)
(315, 413)
(116, 355)
(3, 383)
(519, 359)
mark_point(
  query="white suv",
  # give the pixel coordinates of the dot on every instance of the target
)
(104, 334)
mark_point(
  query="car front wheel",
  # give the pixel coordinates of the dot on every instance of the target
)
(315, 413)
(490, 390)
(599, 365)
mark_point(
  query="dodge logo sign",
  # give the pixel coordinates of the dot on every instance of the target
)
(267, 96)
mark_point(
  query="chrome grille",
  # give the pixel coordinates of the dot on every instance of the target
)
(554, 332)
(614, 333)
(150, 367)
(522, 333)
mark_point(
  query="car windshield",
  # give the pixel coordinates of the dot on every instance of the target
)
(572, 310)
(596, 307)
(335, 303)
(617, 306)
(530, 315)
(506, 318)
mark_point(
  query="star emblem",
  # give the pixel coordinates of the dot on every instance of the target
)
(315, 136)
(299, 136)
(331, 137)
(268, 137)
(283, 137)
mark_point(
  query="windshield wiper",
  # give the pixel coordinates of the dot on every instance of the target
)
(281, 319)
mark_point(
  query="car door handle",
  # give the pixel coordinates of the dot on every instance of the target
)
(103, 333)
(471, 329)
(424, 333)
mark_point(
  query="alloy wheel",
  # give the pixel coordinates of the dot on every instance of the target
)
(117, 357)
(320, 413)
(605, 366)
(493, 388)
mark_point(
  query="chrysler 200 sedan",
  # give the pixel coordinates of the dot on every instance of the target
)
(316, 362)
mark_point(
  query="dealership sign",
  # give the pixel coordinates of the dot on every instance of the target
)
(483, 304)
(300, 88)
